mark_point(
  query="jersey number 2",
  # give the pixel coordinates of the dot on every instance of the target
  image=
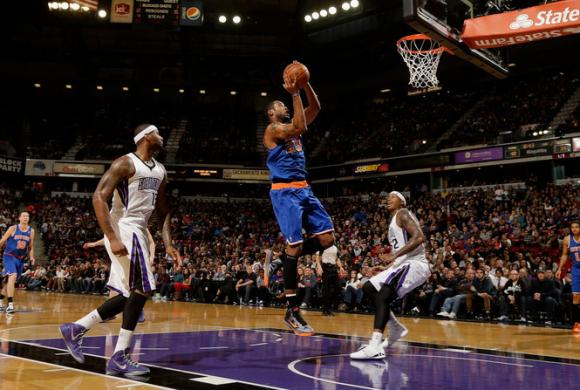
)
(395, 244)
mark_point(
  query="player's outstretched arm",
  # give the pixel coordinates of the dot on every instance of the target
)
(163, 210)
(121, 169)
(563, 258)
(6, 235)
(313, 108)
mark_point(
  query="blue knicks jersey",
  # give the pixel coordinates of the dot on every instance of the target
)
(18, 243)
(286, 161)
(574, 252)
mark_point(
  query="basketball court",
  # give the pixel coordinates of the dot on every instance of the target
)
(206, 346)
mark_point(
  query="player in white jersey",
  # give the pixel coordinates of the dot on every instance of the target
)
(136, 182)
(408, 269)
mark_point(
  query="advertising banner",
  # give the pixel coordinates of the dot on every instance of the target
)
(370, 168)
(191, 13)
(477, 155)
(545, 21)
(11, 165)
(79, 168)
(247, 174)
(122, 11)
(39, 167)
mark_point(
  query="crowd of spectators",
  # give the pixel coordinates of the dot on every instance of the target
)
(493, 252)
(513, 105)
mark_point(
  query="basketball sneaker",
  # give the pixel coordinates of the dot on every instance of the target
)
(396, 331)
(295, 322)
(72, 335)
(2, 308)
(270, 267)
(10, 309)
(122, 364)
(576, 329)
(369, 352)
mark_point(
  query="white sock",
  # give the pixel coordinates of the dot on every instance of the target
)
(90, 319)
(377, 339)
(124, 340)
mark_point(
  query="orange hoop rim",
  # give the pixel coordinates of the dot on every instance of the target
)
(416, 37)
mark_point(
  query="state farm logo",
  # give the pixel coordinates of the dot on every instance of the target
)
(546, 18)
(522, 21)
(123, 9)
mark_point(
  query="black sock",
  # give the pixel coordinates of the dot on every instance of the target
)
(132, 310)
(383, 306)
(292, 301)
(311, 245)
(112, 307)
(576, 312)
(290, 272)
(10, 299)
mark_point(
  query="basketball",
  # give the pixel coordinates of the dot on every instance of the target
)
(299, 72)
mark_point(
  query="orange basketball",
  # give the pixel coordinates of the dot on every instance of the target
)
(297, 71)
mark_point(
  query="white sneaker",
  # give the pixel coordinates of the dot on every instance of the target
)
(368, 352)
(2, 308)
(443, 313)
(396, 331)
(303, 305)
(502, 318)
(452, 316)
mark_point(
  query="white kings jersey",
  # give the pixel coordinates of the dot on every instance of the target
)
(134, 199)
(398, 237)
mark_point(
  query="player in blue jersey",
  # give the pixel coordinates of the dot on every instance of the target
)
(294, 204)
(571, 249)
(19, 247)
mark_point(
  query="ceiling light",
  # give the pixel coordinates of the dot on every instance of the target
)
(511, 64)
(75, 6)
(323, 13)
(202, 91)
(308, 18)
(102, 14)
(64, 6)
(354, 3)
(223, 19)
(332, 10)
(68, 86)
(385, 90)
(85, 8)
(535, 133)
(236, 19)
(37, 85)
(155, 89)
(181, 90)
(100, 87)
(233, 93)
(315, 15)
(53, 5)
(263, 94)
(424, 142)
(345, 6)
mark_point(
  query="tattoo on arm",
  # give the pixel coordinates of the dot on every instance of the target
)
(408, 223)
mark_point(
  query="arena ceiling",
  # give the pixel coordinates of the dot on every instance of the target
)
(357, 52)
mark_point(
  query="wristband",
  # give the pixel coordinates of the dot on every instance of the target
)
(296, 94)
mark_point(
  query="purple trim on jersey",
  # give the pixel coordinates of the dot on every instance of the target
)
(123, 190)
(115, 289)
(131, 263)
(402, 279)
(144, 278)
(405, 235)
(397, 273)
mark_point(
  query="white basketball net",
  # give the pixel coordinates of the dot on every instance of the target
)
(422, 55)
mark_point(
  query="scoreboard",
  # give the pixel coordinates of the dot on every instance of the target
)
(161, 12)
(167, 13)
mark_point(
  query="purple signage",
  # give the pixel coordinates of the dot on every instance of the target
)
(469, 156)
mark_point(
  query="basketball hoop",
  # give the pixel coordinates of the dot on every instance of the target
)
(422, 55)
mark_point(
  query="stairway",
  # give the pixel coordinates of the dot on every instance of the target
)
(71, 153)
(566, 110)
(172, 144)
(445, 136)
